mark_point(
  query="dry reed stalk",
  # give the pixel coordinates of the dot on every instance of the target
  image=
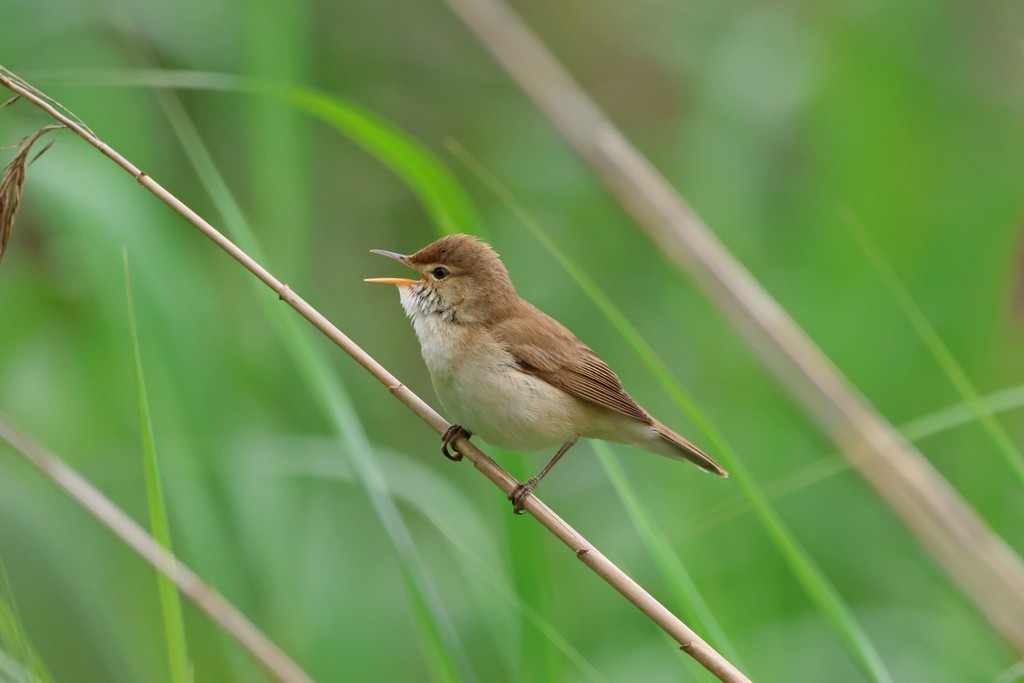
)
(222, 612)
(689, 641)
(985, 567)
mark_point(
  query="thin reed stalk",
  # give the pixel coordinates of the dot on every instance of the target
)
(689, 641)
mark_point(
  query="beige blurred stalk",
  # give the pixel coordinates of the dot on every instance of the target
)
(985, 567)
(201, 594)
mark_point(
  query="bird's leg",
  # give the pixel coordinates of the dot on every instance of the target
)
(520, 492)
(454, 432)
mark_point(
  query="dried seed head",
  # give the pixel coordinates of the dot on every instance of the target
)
(12, 183)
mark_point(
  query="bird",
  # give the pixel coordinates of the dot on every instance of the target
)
(509, 373)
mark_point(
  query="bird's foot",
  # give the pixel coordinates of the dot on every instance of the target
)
(453, 433)
(519, 494)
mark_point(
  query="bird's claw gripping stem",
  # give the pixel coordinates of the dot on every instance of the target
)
(519, 494)
(453, 433)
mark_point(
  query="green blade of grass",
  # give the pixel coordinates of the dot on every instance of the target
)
(531, 577)
(170, 601)
(142, 543)
(12, 670)
(450, 513)
(944, 358)
(443, 198)
(448, 205)
(810, 576)
(963, 413)
(920, 428)
(277, 45)
(14, 642)
(672, 569)
(442, 645)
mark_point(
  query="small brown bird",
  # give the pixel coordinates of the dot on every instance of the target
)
(511, 374)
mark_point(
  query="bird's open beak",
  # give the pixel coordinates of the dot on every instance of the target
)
(400, 281)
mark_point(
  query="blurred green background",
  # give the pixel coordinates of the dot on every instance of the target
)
(321, 507)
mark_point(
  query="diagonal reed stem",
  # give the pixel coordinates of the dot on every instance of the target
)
(984, 566)
(689, 641)
(276, 662)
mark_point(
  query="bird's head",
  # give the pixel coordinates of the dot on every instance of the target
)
(462, 280)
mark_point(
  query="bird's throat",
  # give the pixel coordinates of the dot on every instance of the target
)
(436, 326)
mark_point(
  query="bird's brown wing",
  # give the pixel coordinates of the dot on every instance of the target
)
(552, 353)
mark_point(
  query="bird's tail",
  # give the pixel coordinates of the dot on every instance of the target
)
(674, 446)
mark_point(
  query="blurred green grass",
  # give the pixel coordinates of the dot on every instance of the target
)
(762, 116)
(170, 601)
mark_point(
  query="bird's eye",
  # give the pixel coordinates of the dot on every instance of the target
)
(440, 273)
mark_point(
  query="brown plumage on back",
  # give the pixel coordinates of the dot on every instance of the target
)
(555, 355)
(508, 372)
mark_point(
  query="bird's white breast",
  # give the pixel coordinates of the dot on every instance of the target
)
(483, 390)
